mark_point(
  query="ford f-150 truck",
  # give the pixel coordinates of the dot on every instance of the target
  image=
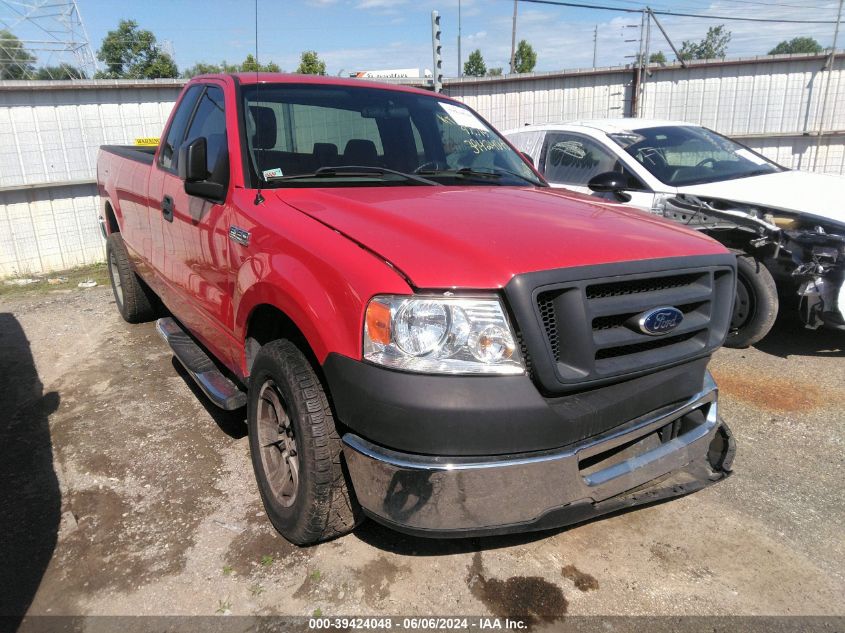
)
(421, 329)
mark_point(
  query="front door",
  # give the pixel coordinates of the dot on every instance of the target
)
(571, 160)
(195, 235)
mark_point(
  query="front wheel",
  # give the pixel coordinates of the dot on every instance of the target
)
(295, 448)
(755, 305)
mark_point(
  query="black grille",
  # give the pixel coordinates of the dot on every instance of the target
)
(621, 288)
(590, 327)
(619, 320)
(547, 313)
(636, 348)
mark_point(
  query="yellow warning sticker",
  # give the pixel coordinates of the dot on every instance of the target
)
(152, 140)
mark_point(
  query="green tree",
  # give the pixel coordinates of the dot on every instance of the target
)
(202, 68)
(657, 58)
(524, 59)
(494, 72)
(62, 71)
(131, 53)
(311, 64)
(475, 66)
(713, 46)
(251, 65)
(797, 45)
(15, 60)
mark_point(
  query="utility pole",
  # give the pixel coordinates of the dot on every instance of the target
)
(513, 40)
(638, 71)
(828, 66)
(644, 61)
(595, 43)
(460, 65)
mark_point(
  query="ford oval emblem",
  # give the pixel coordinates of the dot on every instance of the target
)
(660, 320)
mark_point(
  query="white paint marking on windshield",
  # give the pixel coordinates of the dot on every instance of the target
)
(462, 116)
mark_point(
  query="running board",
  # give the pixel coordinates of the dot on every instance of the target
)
(219, 389)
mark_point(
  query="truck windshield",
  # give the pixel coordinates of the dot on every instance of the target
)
(304, 135)
(680, 155)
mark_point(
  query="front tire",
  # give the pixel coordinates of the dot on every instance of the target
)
(755, 305)
(135, 301)
(295, 449)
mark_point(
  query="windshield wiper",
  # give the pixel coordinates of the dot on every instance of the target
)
(353, 170)
(469, 172)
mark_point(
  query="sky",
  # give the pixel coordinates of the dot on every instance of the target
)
(355, 35)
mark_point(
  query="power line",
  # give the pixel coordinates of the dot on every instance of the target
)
(582, 5)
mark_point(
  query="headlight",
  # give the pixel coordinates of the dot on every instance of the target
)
(433, 334)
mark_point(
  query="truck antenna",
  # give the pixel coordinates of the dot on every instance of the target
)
(258, 197)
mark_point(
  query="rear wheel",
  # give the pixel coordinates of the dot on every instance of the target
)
(755, 305)
(135, 301)
(296, 450)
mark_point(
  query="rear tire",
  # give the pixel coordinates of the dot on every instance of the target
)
(295, 449)
(134, 299)
(756, 303)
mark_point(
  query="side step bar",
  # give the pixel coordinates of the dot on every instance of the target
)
(220, 390)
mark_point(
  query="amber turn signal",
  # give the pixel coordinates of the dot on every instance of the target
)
(378, 322)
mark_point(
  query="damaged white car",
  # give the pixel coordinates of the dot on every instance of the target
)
(787, 227)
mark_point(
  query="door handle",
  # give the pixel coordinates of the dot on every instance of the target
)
(167, 208)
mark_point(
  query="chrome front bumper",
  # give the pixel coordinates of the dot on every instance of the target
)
(667, 453)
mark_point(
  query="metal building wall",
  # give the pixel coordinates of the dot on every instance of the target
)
(50, 133)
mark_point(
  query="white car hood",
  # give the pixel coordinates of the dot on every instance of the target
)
(800, 191)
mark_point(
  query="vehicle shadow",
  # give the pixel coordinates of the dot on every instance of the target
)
(30, 499)
(789, 337)
(232, 423)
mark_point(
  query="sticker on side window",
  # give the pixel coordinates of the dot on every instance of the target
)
(269, 173)
(462, 116)
(574, 149)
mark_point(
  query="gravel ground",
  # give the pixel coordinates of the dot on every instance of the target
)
(125, 492)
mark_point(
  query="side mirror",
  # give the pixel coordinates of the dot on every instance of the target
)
(193, 160)
(193, 169)
(527, 157)
(610, 182)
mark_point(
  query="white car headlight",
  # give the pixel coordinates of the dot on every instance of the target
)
(436, 334)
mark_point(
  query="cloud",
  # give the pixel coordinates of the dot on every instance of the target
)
(380, 4)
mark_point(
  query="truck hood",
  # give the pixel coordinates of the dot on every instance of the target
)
(804, 192)
(480, 237)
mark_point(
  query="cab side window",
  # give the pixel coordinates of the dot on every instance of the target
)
(176, 132)
(572, 159)
(210, 122)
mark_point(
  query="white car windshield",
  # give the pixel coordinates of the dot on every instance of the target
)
(681, 155)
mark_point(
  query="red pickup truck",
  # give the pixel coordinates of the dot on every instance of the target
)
(422, 330)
